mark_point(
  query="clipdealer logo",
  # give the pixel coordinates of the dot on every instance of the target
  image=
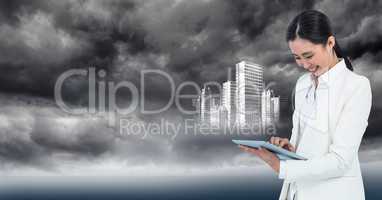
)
(102, 95)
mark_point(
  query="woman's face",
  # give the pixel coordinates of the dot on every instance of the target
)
(316, 58)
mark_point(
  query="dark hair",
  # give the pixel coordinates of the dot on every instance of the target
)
(314, 26)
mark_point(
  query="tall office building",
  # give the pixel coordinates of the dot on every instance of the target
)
(223, 117)
(249, 87)
(266, 108)
(197, 105)
(275, 102)
(270, 109)
(209, 108)
(228, 103)
(214, 120)
(204, 105)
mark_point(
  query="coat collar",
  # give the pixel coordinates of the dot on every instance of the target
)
(329, 77)
(326, 79)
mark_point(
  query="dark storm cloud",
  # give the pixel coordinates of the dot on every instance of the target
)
(45, 38)
(35, 133)
(357, 23)
(15, 143)
(252, 17)
(195, 40)
(30, 134)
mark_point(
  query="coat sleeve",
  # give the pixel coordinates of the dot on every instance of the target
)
(346, 140)
(295, 128)
(295, 116)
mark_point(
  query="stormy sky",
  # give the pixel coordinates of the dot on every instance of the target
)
(195, 41)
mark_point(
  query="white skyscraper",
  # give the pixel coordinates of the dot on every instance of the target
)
(275, 101)
(214, 112)
(266, 108)
(249, 87)
(228, 102)
(209, 108)
(203, 106)
(197, 105)
(270, 109)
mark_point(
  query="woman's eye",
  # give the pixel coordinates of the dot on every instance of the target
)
(297, 58)
(309, 57)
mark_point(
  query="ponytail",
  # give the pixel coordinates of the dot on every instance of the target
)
(341, 54)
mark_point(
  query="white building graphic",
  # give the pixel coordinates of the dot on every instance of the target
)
(214, 112)
(266, 111)
(249, 86)
(209, 108)
(228, 103)
(243, 102)
(270, 108)
(204, 106)
(275, 102)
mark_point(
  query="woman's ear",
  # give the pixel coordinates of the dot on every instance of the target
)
(331, 42)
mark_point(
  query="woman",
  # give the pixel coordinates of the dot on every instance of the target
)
(332, 106)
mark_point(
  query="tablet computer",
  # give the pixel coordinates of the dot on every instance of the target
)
(283, 154)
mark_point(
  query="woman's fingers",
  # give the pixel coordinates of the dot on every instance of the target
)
(291, 147)
(282, 142)
(275, 141)
(267, 156)
(272, 140)
(260, 152)
(270, 158)
(249, 150)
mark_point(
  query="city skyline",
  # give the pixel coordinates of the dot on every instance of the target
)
(243, 102)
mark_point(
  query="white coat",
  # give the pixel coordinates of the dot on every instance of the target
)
(331, 131)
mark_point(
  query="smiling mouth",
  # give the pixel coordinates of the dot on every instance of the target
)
(314, 69)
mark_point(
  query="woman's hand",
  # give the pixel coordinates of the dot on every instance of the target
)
(283, 143)
(270, 158)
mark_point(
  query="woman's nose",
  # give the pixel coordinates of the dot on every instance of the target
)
(306, 65)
